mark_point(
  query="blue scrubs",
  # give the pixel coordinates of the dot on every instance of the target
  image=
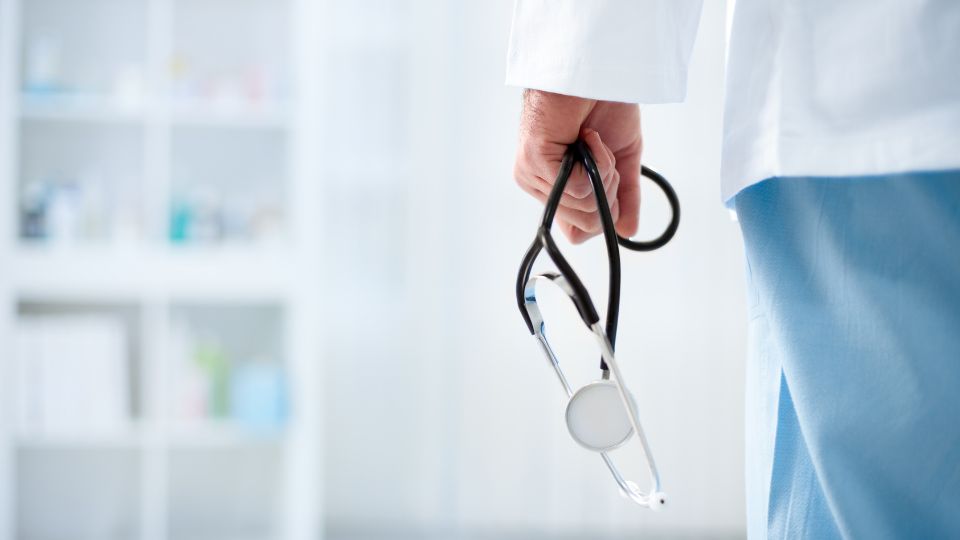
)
(853, 405)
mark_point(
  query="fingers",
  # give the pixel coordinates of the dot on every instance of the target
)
(628, 191)
(575, 235)
(581, 227)
(538, 164)
(578, 204)
(628, 221)
(579, 186)
(587, 223)
(588, 205)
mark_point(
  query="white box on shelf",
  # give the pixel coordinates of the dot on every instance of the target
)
(73, 375)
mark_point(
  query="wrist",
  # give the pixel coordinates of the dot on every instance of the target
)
(554, 118)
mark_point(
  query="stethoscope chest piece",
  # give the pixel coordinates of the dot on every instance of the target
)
(596, 418)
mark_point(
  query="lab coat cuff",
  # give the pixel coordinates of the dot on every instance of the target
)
(627, 85)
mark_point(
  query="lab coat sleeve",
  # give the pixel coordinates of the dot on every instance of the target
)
(634, 51)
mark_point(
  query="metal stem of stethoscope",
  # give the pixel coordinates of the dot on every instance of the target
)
(570, 283)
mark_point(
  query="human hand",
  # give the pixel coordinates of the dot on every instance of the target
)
(549, 122)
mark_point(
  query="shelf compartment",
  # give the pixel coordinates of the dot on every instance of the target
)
(76, 368)
(225, 492)
(80, 183)
(228, 375)
(228, 186)
(79, 494)
(245, 63)
(95, 47)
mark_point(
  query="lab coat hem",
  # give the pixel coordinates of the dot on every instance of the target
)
(810, 158)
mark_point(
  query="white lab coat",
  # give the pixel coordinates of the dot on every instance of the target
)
(814, 87)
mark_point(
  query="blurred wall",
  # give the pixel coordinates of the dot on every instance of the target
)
(442, 418)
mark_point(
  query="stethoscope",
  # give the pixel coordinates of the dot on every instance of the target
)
(602, 415)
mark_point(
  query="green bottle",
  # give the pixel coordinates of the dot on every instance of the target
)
(212, 359)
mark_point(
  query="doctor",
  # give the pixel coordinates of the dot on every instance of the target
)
(841, 156)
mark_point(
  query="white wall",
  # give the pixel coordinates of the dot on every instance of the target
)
(442, 414)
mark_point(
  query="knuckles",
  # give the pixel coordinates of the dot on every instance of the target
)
(535, 150)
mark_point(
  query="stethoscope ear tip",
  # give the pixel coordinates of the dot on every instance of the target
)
(658, 500)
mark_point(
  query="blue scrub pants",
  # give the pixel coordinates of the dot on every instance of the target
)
(853, 376)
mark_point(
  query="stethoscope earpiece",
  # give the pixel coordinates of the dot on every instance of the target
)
(658, 501)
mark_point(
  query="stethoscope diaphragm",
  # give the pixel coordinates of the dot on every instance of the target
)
(596, 418)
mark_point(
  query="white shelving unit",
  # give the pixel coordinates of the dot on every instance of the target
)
(156, 171)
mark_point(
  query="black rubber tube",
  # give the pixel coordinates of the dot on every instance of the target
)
(578, 152)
